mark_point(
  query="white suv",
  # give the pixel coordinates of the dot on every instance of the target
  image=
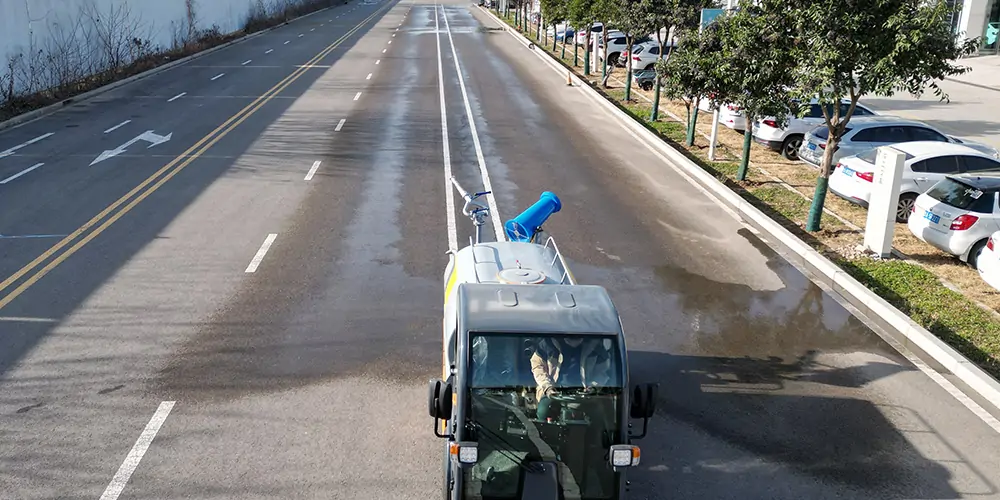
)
(788, 139)
(958, 215)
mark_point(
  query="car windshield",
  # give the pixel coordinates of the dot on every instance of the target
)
(960, 195)
(543, 398)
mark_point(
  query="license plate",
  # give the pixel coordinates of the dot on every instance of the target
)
(812, 147)
(848, 171)
(931, 216)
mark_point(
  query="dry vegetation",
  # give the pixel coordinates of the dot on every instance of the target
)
(96, 46)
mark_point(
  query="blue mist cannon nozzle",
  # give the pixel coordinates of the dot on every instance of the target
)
(522, 228)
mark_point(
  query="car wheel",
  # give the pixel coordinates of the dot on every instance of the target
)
(976, 251)
(790, 148)
(650, 66)
(613, 58)
(903, 207)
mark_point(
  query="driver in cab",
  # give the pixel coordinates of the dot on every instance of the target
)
(567, 363)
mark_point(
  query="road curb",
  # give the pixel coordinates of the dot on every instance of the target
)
(31, 116)
(876, 309)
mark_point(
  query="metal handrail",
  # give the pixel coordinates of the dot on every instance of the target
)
(562, 262)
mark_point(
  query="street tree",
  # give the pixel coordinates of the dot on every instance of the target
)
(850, 49)
(658, 16)
(755, 70)
(583, 15)
(691, 71)
(629, 17)
(554, 12)
(605, 11)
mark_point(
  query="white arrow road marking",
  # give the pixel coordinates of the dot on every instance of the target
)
(4, 154)
(148, 136)
(15, 176)
(134, 456)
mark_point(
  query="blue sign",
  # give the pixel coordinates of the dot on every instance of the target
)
(709, 15)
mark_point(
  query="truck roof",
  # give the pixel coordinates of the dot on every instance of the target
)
(577, 309)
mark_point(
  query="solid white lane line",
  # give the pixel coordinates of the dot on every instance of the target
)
(116, 127)
(449, 193)
(261, 253)
(340, 125)
(15, 176)
(487, 185)
(10, 151)
(369, 77)
(121, 478)
(312, 171)
(357, 96)
(248, 61)
(216, 77)
(269, 51)
(178, 96)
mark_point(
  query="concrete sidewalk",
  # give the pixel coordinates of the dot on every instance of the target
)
(984, 73)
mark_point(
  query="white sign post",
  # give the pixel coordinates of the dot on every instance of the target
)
(883, 201)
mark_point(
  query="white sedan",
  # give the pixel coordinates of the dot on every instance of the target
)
(926, 163)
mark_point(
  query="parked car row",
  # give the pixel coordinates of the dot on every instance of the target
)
(949, 196)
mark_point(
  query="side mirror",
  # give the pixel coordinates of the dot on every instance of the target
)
(434, 387)
(643, 401)
(439, 399)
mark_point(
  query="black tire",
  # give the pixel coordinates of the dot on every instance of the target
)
(790, 148)
(903, 207)
(977, 249)
(613, 58)
(650, 66)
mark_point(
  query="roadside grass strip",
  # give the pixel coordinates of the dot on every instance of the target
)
(970, 327)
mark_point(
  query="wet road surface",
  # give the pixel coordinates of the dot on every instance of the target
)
(306, 378)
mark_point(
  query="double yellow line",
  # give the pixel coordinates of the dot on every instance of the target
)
(164, 174)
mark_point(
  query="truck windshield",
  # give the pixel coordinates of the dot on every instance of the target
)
(543, 398)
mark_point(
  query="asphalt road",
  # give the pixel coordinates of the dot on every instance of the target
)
(306, 378)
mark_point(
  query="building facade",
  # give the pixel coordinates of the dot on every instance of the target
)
(979, 18)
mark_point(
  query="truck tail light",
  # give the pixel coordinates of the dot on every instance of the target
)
(963, 222)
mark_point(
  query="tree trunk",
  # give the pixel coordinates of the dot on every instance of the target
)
(693, 124)
(604, 67)
(819, 197)
(741, 174)
(586, 53)
(576, 52)
(655, 114)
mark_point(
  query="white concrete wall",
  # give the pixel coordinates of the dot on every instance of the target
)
(27, 25)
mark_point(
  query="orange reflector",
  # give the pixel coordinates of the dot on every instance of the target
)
(635, 452)
(453, 448)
